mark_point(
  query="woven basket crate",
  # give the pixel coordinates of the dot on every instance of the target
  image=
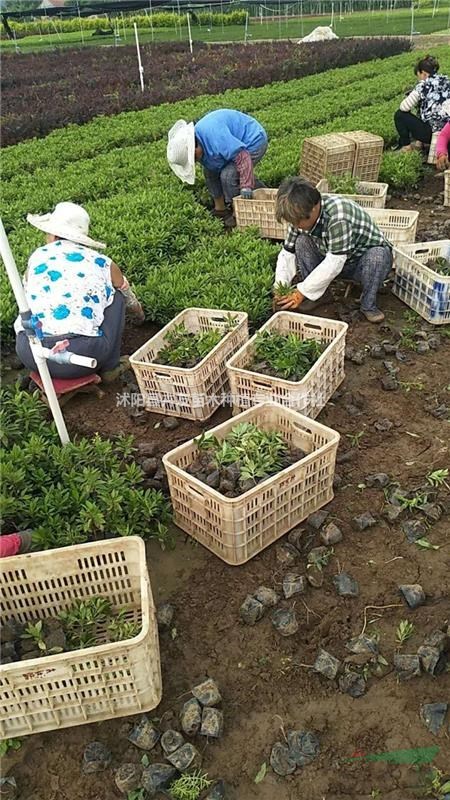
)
(420, 287)
(369, 194)
(189, 393)
(396, 224)
(236, 529)
(447, 188)
(309, 395)
(368, 154)
(331, 154)
(260, 213)
(106, 681)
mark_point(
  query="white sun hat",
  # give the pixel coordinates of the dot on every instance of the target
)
(68, 221)
(181, 150)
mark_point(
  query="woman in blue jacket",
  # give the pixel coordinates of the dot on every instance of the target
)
(227, 144)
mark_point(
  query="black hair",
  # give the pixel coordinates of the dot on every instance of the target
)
(296, 199)
(428, 64)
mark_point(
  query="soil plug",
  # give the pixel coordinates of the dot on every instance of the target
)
(170, 423)
(8, 788)
(149, 466)
(378, 480)
(315, 576)
(164, 615)
(156, 777)
(267, 597)
(96, 758)
(207, 693)
(331, 534)
(281, 760)
(171, 741)
(389, 383)
(285, 621)
(438, 639)
(351, 683)
(251, 610)
(219, 791)
(413, 594)
(293, 584)
(212, 723)
(185, 757)
(407, 666)
(144, 735)
(191, 717)
(433, 715)
(364, 521)
(346, 585)
(362, 644)
(304, 747)
(296, 538)
(433, 660)
(317, 519)
(128, 778)
(383, 425)
(327, 665)
(286, 554)
(413, 529)
(432, 511)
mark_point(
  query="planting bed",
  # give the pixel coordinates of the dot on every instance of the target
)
(262, 683)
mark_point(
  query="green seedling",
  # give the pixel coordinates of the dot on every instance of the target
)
(283, 289)
(355, 438)
(425, 544)
(81, 620)
(404, 632)
(412, 503)
(440, 265)
(286, 356)
(261, 774)
(189, 786)
(320, 560)
(438, 478)
(34, 632)
(137, 794)
(185, 349)
(408, 386)
(9, 744)
(343, 184)
(436, 784)
(120, 628)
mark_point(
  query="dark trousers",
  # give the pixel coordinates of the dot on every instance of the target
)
(226, 182)
(106, 348)
(409, 128)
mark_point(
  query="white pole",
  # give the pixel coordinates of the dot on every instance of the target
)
(81, 27)
(246, 28)
(141, 68)
(36, 349)
(412, 19)
(261, 15)
(332, 15)
(189, 32)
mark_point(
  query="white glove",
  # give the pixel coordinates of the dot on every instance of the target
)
(286, 268)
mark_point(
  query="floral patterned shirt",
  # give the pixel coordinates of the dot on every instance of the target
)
(433, 92)
(68, 287)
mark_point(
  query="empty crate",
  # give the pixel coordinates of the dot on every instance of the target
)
(106, 681)
(236, 529)
(420, 287)
(331, 154)
(260, 213)
(190, 393)
(368, 154)
(396, 224)
(309, 395)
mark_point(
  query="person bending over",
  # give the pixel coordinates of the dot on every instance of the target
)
(429, 96)
(329, 237)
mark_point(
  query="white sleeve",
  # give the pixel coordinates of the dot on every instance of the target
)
(411, 101)
(320, 278)
(286, 268)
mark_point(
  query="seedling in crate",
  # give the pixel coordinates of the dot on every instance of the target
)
(189, 786)
(284, 356)
(343, 184)
(81, 620)
(440, 265)
(120, 628)
(404, 632)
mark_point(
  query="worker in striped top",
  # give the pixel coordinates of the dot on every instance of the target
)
(429, 97)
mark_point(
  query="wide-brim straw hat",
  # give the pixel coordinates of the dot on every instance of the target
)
(181, 150)
(68, 221)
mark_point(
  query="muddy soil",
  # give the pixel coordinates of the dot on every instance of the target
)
(264, 678)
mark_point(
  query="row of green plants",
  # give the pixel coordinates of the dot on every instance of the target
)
(159, 231)
(158, 19)
(89, 489)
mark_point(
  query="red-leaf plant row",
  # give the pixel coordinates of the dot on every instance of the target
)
(44, 91)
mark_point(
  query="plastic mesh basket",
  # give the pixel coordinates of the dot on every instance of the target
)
(309, 395)
(432, 151)
(447, 188)
(236, 529)
(189, 393)
(396, 224)
(369, 194)
(331, 154)
(260, 213)
(368, 154)
(420, 287)
(106, 681)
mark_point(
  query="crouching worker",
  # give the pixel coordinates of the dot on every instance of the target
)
(76, 294)
(227, 144)
(329, 237)
(443, 149)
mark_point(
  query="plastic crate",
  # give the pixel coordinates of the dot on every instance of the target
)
(447, 187)
(310, 395)
(236, 529)
(260, 213)
(431, 159)
(420, 287)
(107, 681)
(369, 194)
(189, 393)
(368, 155)
(331, 154)
(396, 224)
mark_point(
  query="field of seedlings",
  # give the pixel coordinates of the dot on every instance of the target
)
(303, 623)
